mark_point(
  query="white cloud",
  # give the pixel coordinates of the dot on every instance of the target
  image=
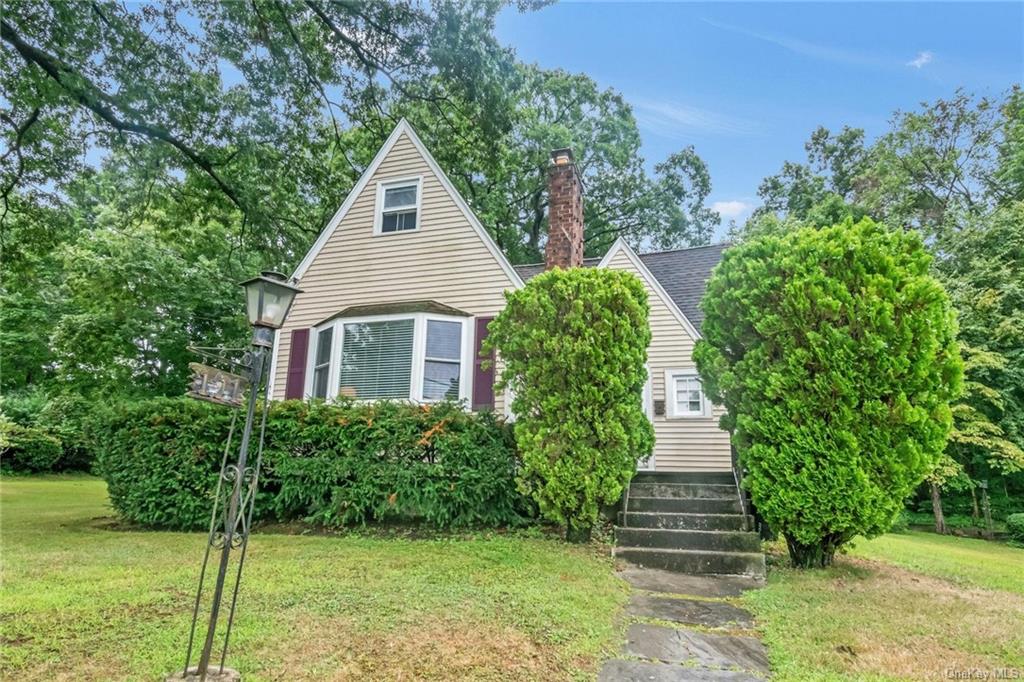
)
(731, 210)
(921, 59)
(804, 47)
(675, 120)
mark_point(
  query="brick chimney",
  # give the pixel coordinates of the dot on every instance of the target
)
(565, 213)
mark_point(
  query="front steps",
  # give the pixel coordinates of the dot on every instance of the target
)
(689, 523)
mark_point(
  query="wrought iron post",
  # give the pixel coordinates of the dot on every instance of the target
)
(230, 520)
(268, 299)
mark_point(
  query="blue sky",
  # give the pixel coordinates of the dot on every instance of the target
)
(746, 83)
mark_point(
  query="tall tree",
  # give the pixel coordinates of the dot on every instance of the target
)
(223, 89)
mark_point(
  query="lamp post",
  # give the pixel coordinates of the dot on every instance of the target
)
(268, 298)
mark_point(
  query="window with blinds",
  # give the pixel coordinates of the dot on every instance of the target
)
(376, 359)
(322, 362)
(442, 360)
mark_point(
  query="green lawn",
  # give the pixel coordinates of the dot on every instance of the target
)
(964, 561)
(900, 607)
(83, 600)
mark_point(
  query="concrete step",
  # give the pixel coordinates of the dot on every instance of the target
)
(716, 491)
(696, 505)
(719, 477)
(695, 561)
(665, 538)
(684, 521)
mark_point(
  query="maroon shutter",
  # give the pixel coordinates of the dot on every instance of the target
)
(295, 384)
(483, 379)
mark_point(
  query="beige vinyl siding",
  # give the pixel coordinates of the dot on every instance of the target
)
(681, 444)
(444, 260)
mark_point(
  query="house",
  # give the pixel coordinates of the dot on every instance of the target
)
(400, 285)
(396, 296)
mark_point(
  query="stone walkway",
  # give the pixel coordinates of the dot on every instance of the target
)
(684, 627)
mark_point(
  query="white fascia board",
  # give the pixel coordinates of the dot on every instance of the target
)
(621, 245)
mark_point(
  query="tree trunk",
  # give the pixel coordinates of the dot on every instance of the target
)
(578, 534)
(940, 520)
(976, 513)
(818, 555)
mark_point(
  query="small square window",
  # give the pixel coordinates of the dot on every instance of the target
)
(685, 395)
(399, 208)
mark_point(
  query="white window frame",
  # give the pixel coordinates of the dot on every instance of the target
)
(672, 410)
(312, 366)
(419, 351)
(378, 212)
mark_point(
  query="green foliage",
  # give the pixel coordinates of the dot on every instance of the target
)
(951, 170)
(26, 449)
(901, 523)
(66, 418)
(1015, 527)
(574, 346)
(23, 407)
(833, 351)
(334, 464)
(982, 266)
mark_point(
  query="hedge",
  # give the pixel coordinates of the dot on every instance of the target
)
(333, 464)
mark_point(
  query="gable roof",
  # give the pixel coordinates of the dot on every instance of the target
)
(403, 128)
(682, 273)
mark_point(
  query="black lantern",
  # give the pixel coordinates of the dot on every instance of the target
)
(268, 299)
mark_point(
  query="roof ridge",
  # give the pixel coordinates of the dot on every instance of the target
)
(685, 248)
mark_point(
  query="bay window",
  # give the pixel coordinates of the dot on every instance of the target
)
(418, 356)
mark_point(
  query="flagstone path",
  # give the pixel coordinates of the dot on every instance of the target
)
(686, 627)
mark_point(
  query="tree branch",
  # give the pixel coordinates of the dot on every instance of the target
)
(90, 96)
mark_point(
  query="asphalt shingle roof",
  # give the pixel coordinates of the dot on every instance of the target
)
(682, 273)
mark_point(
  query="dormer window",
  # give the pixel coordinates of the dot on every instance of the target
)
(398, 205)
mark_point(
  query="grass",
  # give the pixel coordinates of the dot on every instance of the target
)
(963, 561)
(83, 600)
(910, 606)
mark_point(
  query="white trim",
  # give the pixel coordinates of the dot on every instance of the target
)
(312, 347)
(419, 347)
(273, 363)
(378, 209)
(671, 407)
(404, 127)
(621, 245)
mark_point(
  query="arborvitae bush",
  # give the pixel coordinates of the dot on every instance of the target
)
(834, 353)
(573, 344)
(333, 464)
